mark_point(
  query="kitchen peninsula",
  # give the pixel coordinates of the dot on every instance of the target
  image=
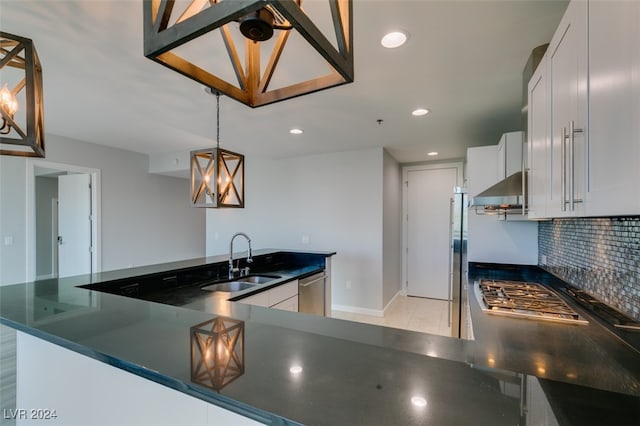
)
(308, 369)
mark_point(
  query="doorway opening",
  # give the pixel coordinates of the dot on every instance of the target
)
(63, 227)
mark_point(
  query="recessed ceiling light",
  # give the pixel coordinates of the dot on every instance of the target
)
(296, 131)
(394, 39)
(432, 153)
(296, 369)
(418, 401)
(420, 112)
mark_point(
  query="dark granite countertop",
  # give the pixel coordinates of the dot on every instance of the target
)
(351, 373)
(589, 355)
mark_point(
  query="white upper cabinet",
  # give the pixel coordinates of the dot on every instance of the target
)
(614, 108)
(590, 118)
(481, 163)
(567, 85)
(509, 154)
(538, 141)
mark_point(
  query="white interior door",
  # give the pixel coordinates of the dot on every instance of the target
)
(429, 195)
(74, 225)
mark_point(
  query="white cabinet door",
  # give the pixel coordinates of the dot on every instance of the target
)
(537, 145)
(502, 158)
(614, 108)
(567, 71)
(481, 161)
(510, 154)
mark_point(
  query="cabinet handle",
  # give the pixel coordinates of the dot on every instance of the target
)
(563, 168)
(572, 133)
(525, 202)
(572, 158)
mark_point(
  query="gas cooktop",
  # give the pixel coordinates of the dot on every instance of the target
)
(525, 300)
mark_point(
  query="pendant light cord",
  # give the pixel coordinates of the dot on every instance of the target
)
(218, 120)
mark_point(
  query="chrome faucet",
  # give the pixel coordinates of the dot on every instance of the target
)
(233, 270)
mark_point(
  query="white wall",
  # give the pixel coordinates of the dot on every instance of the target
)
(13, 220)
(494, 241)
(334, 199)
(261, 218)
(392, 229)
(337, 201)
(146, 218)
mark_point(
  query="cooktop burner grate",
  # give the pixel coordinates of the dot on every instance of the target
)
(524, 299)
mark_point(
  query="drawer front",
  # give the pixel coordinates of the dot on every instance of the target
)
(260, 299)
(291, 304)
(283, 292)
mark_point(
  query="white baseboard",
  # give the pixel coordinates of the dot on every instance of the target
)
(358, 310)
(45, 277)
(366, 311)
(399, 293)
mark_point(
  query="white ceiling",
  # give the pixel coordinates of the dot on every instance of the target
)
(463, 60)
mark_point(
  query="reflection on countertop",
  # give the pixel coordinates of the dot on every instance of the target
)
(340, 372)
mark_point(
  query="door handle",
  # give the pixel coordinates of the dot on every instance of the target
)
(59, 240)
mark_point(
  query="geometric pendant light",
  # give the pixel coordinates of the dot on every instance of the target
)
(21, 106)
(217, 175)
(254, 51)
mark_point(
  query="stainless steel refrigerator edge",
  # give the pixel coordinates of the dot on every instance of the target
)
(458, 288)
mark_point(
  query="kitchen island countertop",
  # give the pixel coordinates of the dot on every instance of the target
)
(353, 373)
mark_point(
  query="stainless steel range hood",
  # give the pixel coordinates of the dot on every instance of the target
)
(507, 196)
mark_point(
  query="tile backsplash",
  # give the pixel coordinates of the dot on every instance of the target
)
(598, 255)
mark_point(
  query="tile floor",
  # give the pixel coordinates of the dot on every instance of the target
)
(408, 313)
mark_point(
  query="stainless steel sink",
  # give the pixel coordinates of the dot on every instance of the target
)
(257, 279)
(228, 287)
(240, 283)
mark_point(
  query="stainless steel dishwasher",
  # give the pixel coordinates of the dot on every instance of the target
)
(311, 294)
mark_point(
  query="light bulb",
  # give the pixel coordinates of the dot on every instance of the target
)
(8, 101)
